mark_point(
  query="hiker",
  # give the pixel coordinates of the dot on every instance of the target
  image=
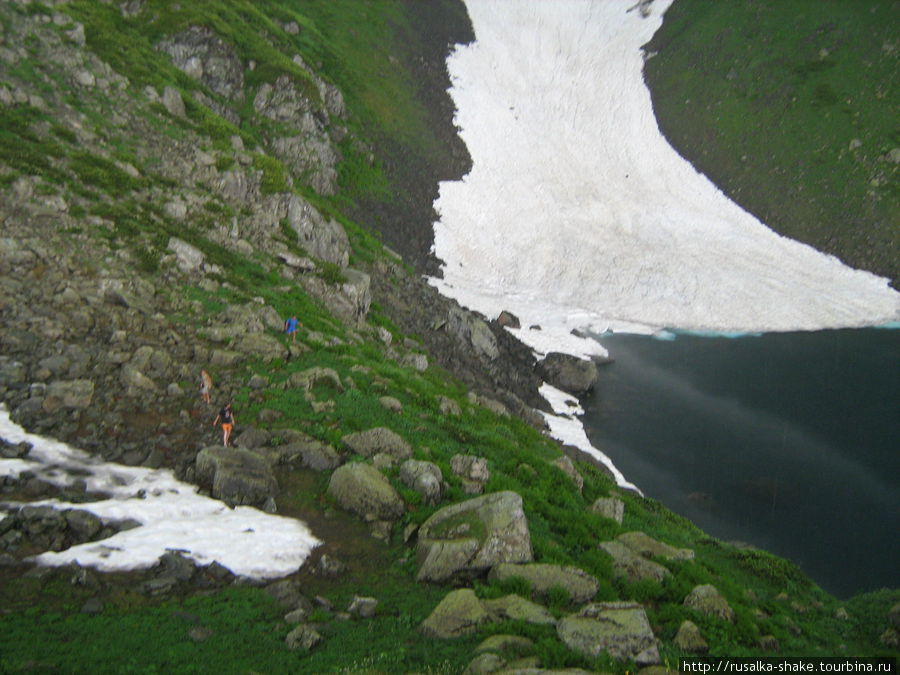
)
(290, 327)
(205, 385)
(226, 415)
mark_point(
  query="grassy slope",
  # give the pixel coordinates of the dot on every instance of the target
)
(791, 107)
(41, 626)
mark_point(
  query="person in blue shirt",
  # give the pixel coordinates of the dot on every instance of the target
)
(290, 327)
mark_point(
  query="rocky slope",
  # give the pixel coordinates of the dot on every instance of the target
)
(154, 230)
(90, 347)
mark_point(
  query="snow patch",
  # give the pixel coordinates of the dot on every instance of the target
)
(172, 515)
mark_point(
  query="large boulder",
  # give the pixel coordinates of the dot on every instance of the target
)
(235, 475)
(459, 613)
(378, 440)
(468, 538)
(620, 629)
(363, 489)
(580, 586)
(571, 374)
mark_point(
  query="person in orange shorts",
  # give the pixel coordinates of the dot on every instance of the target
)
(227, 419)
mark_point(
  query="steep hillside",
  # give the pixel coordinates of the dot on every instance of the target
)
(179, 178)
(791, 109)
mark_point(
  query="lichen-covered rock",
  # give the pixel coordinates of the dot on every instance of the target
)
(315, 377)
(580, 586)
(423, 477)
(707, 600)
(252, 438)
(647, 546)
(459, 613)
(485, 663)
(516, 608)
(689, 639)
(609, 507)
(473, 471)
(630, 565)
(363, 606)
(309, 453)
(894, 615)
(620, 629)
(303, 636)
(506, 643)
(363, 489)
(469, 538)
(378, 440)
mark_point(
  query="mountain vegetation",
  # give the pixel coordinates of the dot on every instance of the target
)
(791, 109)
(177, 179)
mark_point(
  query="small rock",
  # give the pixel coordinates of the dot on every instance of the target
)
(363, 607)
(609, 507)
(200, 633)
(707, 600)
(303, 637)
(769, 643)
(92, 606)
(689, 639)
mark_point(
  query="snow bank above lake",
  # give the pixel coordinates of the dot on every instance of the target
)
(578, 214)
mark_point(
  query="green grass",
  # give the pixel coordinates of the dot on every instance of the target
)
(788, 106)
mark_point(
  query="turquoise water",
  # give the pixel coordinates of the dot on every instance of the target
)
(787, 441)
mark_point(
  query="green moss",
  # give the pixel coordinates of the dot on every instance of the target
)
(274, 174)
(102, 173)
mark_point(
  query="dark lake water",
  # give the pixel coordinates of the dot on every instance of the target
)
(787, 441)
